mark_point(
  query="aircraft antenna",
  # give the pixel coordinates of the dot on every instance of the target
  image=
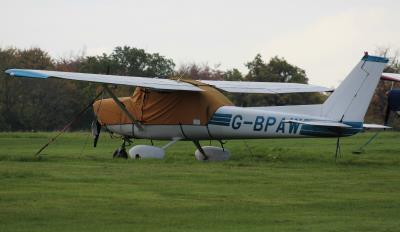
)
(185, 71)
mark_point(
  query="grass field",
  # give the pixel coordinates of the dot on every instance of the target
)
(281, 185)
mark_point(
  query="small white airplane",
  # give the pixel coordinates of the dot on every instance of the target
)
(175, 110)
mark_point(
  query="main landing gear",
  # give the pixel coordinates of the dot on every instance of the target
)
(121, 151)
(210, 153)
(203, 153)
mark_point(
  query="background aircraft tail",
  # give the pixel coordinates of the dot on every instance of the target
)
(350, 101)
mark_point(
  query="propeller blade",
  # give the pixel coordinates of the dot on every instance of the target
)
(96, 129)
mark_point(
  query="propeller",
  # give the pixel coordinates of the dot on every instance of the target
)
(96, 129)
(96, 126)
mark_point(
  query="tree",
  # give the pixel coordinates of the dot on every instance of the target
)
(129, 61)
(233, 75)
(27, 104)
(35, 104)
(198, 72)
(277, 70)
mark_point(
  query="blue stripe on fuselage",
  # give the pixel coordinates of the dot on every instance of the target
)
(323, 131)
(220, 119)
(219, 123)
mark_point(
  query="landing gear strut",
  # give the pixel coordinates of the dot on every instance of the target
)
(121, 151)
(198, 146)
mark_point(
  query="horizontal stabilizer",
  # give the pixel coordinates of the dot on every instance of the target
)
(391, 77)
(319, 123)
(265, 87)
(375, 126)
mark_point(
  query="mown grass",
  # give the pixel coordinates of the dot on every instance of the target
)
(274, 185)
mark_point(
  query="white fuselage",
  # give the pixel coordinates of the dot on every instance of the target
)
(231, 122)
(342, 114)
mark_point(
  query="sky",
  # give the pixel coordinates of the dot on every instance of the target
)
(326, 38)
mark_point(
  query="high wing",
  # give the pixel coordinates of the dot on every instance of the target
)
(264, 87)
(168, 84)
(391, 77)
(154, 83)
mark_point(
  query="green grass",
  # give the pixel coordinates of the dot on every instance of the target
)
(281, 185)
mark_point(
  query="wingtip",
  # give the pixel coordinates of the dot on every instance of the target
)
(9, 72)
(25, 73)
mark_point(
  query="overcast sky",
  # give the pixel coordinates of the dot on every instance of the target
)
(326, 38)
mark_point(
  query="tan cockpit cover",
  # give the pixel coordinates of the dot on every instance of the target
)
(163, 108)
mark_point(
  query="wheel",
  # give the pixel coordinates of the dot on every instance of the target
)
(120, 153)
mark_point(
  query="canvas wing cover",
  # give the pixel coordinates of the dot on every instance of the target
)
(163, 108)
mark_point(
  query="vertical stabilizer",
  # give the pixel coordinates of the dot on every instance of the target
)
(350, 101)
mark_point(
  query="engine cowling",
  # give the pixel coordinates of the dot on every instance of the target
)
(213, 154)
(146, 152)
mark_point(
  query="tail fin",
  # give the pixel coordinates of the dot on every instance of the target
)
(351, 99)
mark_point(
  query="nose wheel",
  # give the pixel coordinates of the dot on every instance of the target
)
(121, 151)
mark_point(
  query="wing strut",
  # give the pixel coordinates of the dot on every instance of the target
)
(122, 107)
(66, 127)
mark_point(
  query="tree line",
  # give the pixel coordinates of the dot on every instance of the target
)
(46, 105)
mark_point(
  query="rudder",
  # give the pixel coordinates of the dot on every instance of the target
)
(350, 101)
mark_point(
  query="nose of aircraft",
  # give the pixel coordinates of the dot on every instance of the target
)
(109, 113)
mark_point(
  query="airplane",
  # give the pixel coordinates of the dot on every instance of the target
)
(197, 110)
